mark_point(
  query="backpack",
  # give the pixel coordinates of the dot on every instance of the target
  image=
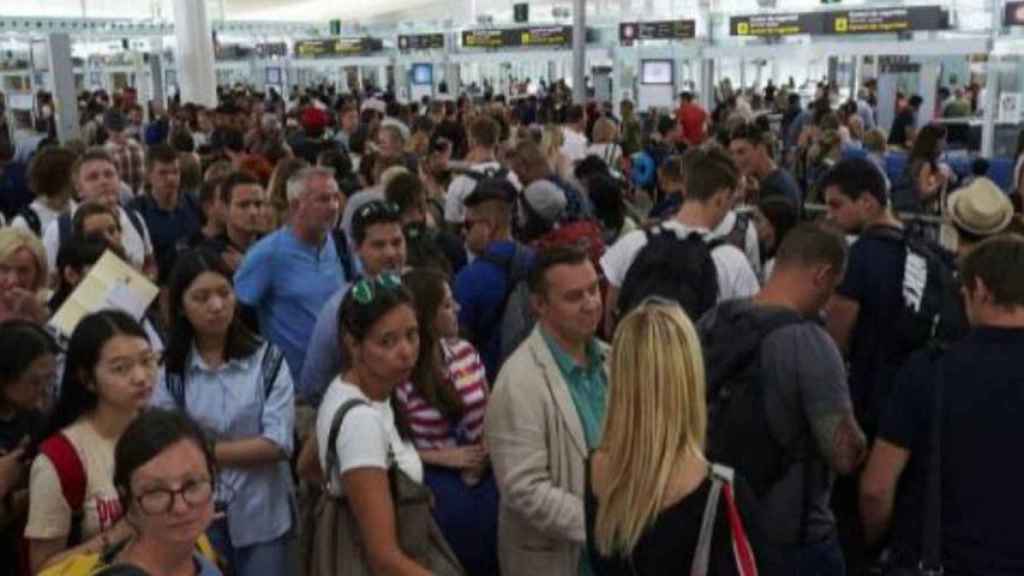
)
(933, 313)
(71, 473)
(270, 366)
(738, 235)
(738, 433)
(65, 223)
(515, 312)
(674, 267)
(344, 253)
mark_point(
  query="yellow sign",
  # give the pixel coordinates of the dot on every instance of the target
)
(743, 28)
(842, 24)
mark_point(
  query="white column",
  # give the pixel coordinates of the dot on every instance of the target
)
(197, 80)
(62, 82)
(988, 129)
(579, 48)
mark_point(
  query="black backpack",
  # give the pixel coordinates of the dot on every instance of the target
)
(738, 433)
(933, 313)
(65, 223)
(28, 213)
(673, 267)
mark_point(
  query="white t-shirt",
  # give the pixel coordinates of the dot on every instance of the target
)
(462, 186)
(574, 145)
(49, 515)
(45, 213)
(751, 245)
(136, 246)
(610, 153)
(736, 279)
(365, 436)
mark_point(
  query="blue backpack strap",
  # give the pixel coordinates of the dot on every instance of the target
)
(136, 220)
(175, 384)
(63, 229)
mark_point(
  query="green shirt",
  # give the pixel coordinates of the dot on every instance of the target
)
(588, 387)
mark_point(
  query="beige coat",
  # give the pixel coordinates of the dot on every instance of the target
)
(538, 450)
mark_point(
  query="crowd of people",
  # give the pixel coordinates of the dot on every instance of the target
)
(508, 336)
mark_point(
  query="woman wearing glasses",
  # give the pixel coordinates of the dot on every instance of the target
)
(377, 326)
(109, 375)
(239, 389)
(164, 469)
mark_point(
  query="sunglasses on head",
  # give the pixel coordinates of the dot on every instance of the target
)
(366, 290)
(378, 209)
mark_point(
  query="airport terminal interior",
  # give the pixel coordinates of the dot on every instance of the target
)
(511, 287)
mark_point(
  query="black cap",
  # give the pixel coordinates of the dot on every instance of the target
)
(492, 189)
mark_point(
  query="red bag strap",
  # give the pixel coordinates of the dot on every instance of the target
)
(61, 452)
(741, 548)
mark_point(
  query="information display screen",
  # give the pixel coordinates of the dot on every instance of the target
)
(336, 47)
(656, 72)
(421, 41)
(518, 37)
(423, 74)
(841, 22)
(630, 32)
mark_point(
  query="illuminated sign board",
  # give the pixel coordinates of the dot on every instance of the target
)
(630, 32)
(558, 36)
(841, 22)
(336, 47)
(421, 42)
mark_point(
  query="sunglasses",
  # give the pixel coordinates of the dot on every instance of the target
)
(367, 289)
(378, 209)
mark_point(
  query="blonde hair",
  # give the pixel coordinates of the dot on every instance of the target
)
(604, 131)
(14, 239)
(551, 139)
(656, 415)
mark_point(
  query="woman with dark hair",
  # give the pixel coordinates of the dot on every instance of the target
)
(28, 368)
(239, 389)
(165, 472)
(110, 371)
(378, 329)
(605, 193)
(444, 403)
(925, 179)
(74, 259)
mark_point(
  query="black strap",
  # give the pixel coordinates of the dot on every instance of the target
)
(332, 436)
(931, 529)
(32, 220)
(270, 367)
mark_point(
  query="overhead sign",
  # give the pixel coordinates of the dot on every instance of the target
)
(630, 32)
(886, 20)
(518, 37)
(420, 41)
(841, 22)
(269, 49)
(1014, 14)
(336, 47)
(775, 25)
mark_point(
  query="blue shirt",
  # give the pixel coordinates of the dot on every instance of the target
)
(232, 403)
(287, 281)
(323, 355)
(480, 289)
(168, 229)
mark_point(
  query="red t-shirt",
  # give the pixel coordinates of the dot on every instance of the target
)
(691, 123)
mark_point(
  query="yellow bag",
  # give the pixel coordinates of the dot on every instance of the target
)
(94, 562)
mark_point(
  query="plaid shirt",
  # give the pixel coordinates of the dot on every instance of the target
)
(128, 159)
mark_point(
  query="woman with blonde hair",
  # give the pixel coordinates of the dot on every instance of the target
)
(23, 276)
(652, 495)
(551, 144)
(604, 142)
(278, 188)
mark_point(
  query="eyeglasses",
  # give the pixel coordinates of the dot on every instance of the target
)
(161, 500)
(366, 289)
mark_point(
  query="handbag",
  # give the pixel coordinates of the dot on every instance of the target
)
(335, 543)
(743, 552)
(930, 561)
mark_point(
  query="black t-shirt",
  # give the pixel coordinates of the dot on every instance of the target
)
(904, 120)
(12, 431)
(781, 183)
(983, 400)
(874, 277)
(667, 547)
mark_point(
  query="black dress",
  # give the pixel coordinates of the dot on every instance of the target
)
(668, 546)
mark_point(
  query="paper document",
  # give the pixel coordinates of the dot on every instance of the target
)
(110, 284)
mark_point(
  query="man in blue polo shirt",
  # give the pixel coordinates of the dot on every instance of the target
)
(288, 275)
(482, 287)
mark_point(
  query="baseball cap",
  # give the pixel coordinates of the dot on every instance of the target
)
(492, 189)
(546, 200)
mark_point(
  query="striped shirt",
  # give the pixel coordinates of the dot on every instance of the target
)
(431, 430)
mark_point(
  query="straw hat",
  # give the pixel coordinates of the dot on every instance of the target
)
(980, 208)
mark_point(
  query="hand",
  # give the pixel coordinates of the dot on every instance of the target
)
(12, 470)
(465, 457)
(120, 532)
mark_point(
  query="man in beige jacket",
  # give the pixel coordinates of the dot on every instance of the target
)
(545, 416)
